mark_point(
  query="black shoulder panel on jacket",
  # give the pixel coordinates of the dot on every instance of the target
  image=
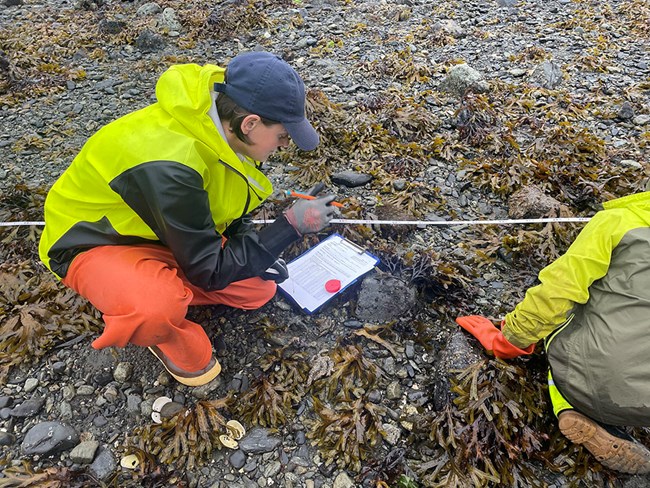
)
(171, 200)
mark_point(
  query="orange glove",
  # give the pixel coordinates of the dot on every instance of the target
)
(491, 337)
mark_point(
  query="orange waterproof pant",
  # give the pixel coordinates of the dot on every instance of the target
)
(143, 296)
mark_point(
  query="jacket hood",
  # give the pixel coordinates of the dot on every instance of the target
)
(184, 92)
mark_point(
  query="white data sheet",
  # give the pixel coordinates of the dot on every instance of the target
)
(335, 258)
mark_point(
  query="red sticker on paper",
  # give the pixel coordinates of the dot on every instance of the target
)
(333, 286)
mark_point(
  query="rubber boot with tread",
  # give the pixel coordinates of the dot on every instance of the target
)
(618, 452)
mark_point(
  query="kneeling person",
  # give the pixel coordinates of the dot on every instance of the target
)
(152, 216)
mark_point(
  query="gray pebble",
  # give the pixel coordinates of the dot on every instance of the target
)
(123, 372)
(393, 390)
(104, 464)
(30, 385)
(6, 439)
(84, 452)
(350, 179)
(300, 437)
(237, 459)
(28, 408)
(258, 441)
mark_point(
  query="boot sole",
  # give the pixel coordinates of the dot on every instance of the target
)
(611, 451)
(188, 379)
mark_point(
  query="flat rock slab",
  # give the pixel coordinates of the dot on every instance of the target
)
(351, 179)
(49, 438)
(258, 441)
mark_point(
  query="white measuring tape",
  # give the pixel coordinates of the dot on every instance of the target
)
(17, 224)
(460, 222)
(393, 222)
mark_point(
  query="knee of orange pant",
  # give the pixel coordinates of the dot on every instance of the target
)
(264, 291)
(167, 309)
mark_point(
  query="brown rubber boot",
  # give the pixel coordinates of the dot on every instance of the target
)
(611, 446)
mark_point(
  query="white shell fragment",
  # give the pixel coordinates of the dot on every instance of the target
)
(235, 429)
(130, 462)
(228, 442)
(157, 406)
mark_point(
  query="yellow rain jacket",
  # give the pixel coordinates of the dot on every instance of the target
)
(165, 175)
(596, 298)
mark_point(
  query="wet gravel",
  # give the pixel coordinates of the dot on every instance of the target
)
(77, 406)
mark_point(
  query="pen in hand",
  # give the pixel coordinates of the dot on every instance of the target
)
(294, 194)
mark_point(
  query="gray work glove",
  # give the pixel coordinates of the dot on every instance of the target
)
(277, 272)
(311, 216)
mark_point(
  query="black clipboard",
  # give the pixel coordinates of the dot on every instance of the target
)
(334, 258)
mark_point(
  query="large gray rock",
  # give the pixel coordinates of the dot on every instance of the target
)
(531, 202)
(383, 298)
(547, 75)
(49, 438)
(457, 355)
(461, 78)
(168, 21)
(149, 41)
(351, 179)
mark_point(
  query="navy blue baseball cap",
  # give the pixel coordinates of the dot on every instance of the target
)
(265, 85)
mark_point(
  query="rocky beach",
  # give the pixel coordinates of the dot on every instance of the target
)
(447, 113)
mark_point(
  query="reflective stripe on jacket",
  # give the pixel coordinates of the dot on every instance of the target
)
(164, 174)
(598, 297)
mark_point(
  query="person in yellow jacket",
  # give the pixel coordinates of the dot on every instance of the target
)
(592, 307)
(153, 214)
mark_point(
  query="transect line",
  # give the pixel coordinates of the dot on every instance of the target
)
(394, 222)
(17, 224)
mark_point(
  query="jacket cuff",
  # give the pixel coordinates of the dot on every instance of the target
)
(512, 337)
(277, 236)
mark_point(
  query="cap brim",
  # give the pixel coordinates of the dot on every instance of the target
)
(303, 134)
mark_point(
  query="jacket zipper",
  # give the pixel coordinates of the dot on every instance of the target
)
(248, 187)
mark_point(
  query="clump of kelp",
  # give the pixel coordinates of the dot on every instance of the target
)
(36, 312)
(272, 396)
(499, 431)
(148, 474)
(187, 439)
(54, 477)
(555, 152)
(347, 425)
